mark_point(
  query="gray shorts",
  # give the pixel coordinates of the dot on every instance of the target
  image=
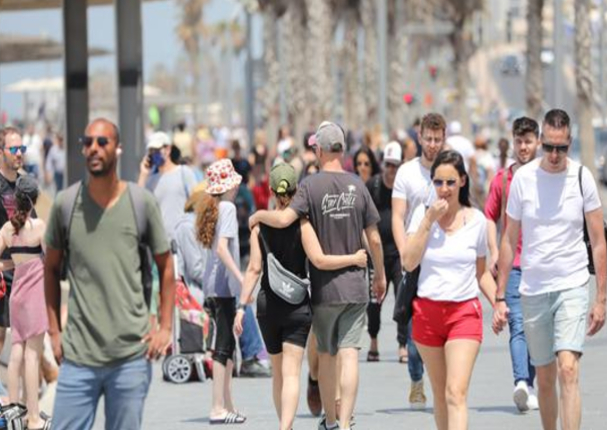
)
(339, 326)
(555, 322)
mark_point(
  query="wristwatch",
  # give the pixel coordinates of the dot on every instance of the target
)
(500, 299)
(241, 307)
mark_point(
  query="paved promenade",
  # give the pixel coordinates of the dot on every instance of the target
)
(384, 386)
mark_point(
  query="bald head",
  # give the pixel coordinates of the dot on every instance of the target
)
(107, 123)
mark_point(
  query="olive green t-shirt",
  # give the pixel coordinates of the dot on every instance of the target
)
(107, 313)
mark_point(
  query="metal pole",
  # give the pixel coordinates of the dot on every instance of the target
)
(558, 53)
(249, 82)
(382, 25)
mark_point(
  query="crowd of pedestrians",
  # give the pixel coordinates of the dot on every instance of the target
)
(291, 247)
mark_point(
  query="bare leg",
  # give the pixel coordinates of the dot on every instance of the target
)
(218, 409)
(292, 356)
(436, 365)
(460, 356)
(33, 351)
(312, 356)
(227, 387)
(570, 400)
(277, 382)
(547, 397)
(348, 380)
(15, 365)
(338, 370)
(327, 380)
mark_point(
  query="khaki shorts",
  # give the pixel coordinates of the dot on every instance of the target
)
(339, 326)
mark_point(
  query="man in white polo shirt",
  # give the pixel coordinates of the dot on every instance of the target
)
(550, 198)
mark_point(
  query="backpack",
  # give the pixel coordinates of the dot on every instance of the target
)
(137, 199)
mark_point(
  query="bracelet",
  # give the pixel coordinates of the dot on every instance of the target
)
(500, 299)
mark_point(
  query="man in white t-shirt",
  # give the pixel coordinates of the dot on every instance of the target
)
(550, 198)
(413, 187)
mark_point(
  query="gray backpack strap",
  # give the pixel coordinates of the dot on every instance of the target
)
(579, 176)
(68, 205)
(136, 195)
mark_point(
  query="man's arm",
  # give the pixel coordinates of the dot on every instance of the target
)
(504, 266)
(251, 276)
(52, 292)
(275, 219)
(493, 247)
(159, 340)
(377, 255)
(596, 233)
(399, 215)
(322, 261)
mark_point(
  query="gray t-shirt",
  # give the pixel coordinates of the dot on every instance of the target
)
(217, 280)
(172, 190)
(339, 207)
(107, 315)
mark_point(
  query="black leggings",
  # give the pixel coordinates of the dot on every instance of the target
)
(222, 311)
(394, 275)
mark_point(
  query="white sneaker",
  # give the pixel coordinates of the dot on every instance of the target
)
(532, 402)
(521, 396)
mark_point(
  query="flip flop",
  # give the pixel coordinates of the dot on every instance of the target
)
(403, 359)
(230, 418)
(373, 356)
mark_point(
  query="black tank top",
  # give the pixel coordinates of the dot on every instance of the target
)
(286, 246)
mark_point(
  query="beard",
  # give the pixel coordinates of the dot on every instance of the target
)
(103, 169)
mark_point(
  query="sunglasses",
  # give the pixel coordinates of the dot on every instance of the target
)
(88, 140)
(440, 182)
(550, 148)
(14, 149)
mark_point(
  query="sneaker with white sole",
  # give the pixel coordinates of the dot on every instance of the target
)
(521, 396)
(322, 425)
(532, 402)
(417, 398)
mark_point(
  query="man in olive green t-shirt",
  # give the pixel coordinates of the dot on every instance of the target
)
(107, 343)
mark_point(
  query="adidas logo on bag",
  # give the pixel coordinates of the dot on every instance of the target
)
(287, 289)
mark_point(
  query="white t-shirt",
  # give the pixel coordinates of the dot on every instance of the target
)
(414, 185)
(550, 208)
(33, 142)
(448, 267)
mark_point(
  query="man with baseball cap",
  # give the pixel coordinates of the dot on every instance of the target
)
(340, 209)
(380, 187)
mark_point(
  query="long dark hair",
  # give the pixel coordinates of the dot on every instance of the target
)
(24, 205)
(455, 159)
(372, 159)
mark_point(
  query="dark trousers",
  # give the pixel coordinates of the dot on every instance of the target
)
(394, 276)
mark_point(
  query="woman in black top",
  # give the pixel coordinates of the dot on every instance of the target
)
(285, 326)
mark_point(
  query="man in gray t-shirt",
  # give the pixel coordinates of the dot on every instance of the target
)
(340, 209)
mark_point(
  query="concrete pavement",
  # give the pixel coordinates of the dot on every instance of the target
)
(382, 401)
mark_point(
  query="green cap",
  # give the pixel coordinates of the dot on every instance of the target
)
(283, 178)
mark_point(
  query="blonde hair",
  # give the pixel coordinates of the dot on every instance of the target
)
(207, 215)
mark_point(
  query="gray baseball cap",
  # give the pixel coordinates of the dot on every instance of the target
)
(330, 137)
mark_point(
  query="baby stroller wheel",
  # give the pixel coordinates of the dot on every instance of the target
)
(178, 369)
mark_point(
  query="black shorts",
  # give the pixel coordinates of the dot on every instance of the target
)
(222, 311)
(290, 328)
(5, 316)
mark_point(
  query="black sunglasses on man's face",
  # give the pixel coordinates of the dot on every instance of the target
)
(550, 148)
(88, 140)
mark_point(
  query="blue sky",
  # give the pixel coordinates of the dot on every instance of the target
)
(160, 44)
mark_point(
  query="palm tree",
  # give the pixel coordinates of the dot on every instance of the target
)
(583, 82)
(189, 30)
(534, 85)
(320, 23)
(368, 14)
(397, 46)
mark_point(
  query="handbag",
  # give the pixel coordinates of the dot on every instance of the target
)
(407, 292)
(586, 235)
(285, 284)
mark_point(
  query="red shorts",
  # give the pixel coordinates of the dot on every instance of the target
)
(437, 322)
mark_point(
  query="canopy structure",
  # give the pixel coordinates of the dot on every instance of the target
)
(75, 52)
(56, 85)
(18, 48)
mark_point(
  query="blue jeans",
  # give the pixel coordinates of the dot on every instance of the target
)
(415, 363)
(124, 386)
(250, 341)
(522, 368)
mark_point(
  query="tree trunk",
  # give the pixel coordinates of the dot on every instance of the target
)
(369, 23)
(397, 46)
(319, 41)
(534, 79)
(353, 104)
(268, 96)
(460, 63)
(294, 48)
(583, 82)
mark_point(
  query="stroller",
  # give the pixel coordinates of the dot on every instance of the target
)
(187, 359)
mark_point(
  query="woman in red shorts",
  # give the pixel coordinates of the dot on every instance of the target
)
(448, 240)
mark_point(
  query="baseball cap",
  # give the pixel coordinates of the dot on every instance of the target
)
(330, 137)
(393, 153)
(455, 127)
(283, 178)
(158, 140)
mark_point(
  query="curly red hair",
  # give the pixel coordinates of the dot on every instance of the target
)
(207, 215)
